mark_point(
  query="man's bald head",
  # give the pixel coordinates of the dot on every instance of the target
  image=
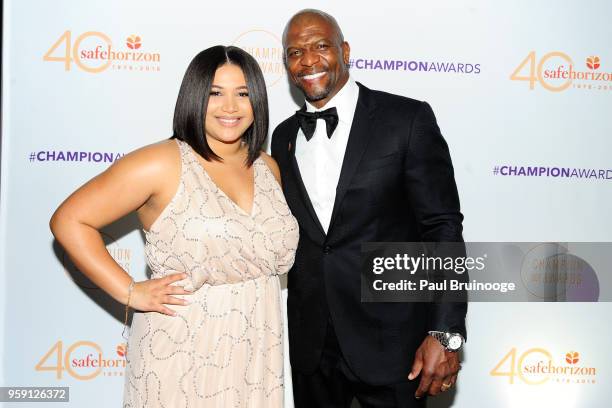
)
(313, 14)
(316, 55)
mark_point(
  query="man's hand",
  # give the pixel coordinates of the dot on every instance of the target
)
(438, 368)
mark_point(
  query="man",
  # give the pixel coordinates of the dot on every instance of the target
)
(371, 167)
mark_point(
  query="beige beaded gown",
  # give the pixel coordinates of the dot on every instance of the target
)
(225, 349)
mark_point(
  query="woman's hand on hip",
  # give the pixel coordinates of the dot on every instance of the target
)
(153, 295)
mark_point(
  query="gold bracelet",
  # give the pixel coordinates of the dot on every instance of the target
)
(127, 309)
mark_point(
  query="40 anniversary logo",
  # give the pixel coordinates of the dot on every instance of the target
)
(83, 360)
(538, 366)
(556, 72)
(94, 52)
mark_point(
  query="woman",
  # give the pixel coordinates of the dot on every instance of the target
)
(218, 232)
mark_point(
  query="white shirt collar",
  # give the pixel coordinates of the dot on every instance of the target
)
(344, 102)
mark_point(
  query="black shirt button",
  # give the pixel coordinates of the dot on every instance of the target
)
(326, 249)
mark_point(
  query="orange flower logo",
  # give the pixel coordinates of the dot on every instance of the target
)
(592, 62)
(122, 349)
(134, 42)
(572, 357)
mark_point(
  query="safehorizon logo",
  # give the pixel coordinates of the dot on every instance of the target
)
(592, 62)
(537, 366)
(94, 52)
(122, 350)
(83, 360)
(572, 357)
(133, 42)
(556, 72)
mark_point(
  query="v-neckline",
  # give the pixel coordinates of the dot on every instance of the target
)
(222, 193)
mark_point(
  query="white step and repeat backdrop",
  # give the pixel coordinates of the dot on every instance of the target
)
(523, 94)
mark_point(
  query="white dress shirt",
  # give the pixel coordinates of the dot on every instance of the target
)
(320, 158)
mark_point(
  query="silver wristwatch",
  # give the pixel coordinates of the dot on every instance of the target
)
(450, 341)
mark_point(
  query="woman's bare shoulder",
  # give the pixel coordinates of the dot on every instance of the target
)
(157, 157)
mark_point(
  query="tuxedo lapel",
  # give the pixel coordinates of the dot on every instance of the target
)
(317, 231)
(359, 137)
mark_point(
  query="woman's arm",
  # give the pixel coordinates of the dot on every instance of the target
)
(144, 181)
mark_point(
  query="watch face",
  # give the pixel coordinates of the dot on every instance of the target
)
(454, 343)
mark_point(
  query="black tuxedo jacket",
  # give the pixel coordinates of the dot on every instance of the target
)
(396, 185)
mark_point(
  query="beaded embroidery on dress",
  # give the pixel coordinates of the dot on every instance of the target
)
(225, 349)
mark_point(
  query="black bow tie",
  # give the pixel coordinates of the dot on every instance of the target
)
(308, 121)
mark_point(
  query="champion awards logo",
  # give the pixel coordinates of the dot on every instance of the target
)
(557, 72)
(538, 366)
(266, 47)
(440, 67)
(94, 52)
(73, 156)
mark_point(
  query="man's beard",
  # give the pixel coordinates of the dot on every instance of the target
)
(317, 96)
(319, 93)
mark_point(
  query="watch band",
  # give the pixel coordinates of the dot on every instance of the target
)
(445, 337)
